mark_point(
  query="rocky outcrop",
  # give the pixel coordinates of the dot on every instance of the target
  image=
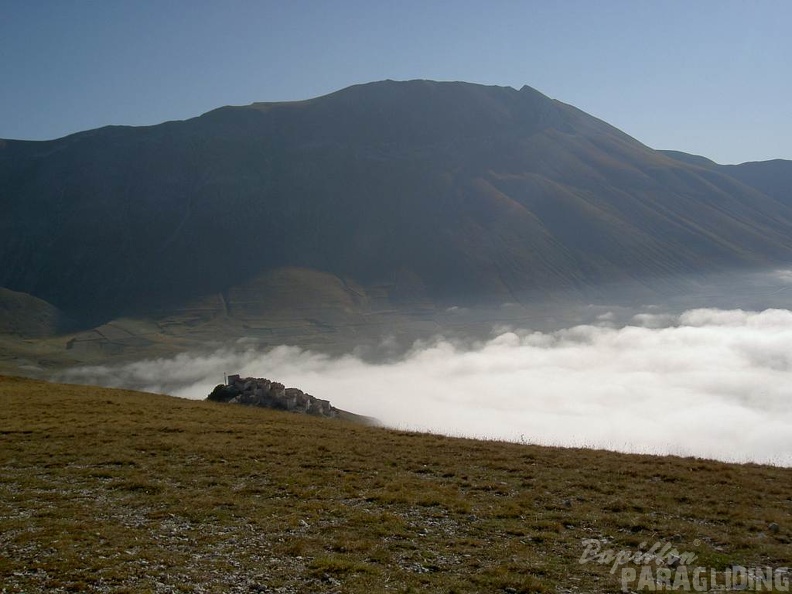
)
(268, 394)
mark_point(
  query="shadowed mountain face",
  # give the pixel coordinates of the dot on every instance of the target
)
(442, 191)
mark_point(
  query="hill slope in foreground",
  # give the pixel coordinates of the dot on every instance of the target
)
(114, 491)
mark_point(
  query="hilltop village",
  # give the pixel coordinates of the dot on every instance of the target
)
(269, 394)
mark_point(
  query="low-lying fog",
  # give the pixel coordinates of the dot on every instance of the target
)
(707, 382)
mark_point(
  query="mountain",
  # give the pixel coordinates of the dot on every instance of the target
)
(402, 193)
(773, 178)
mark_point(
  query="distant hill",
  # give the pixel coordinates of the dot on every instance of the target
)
(412, 192)
(27, 316)
(772, 178)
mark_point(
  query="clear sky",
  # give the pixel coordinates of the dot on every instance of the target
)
(710, 77)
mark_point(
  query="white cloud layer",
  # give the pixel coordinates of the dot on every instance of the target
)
(708, 383)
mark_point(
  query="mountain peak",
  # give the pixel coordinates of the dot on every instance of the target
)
(424, 111)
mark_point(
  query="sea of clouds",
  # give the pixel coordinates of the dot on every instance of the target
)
(708, 383)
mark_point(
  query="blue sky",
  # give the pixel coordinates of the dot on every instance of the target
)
(707, 77)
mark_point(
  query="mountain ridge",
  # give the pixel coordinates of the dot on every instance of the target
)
(773, 177)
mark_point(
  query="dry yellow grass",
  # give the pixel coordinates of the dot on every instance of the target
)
(115, 491)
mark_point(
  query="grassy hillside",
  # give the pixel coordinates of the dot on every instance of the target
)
(116, 491)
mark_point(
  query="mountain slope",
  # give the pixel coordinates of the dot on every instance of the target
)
(438, 191)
